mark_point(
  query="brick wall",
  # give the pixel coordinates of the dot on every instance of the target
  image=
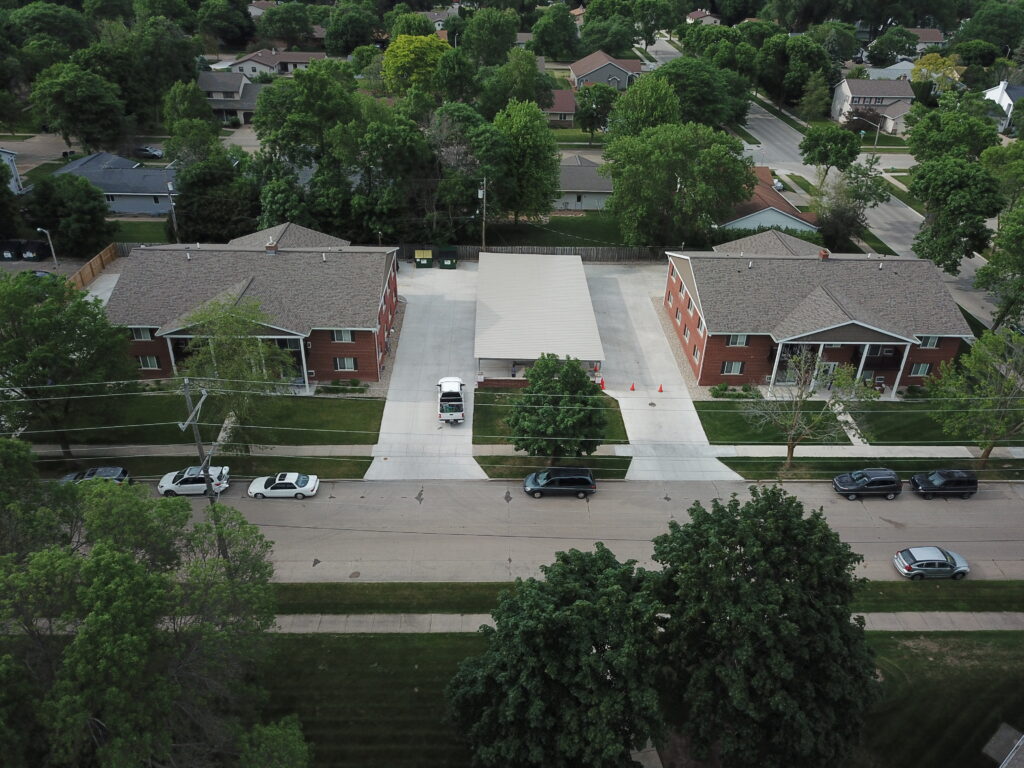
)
(157, 348)
(685, 321)
(758, 357)
(947, 350)
(323, 349)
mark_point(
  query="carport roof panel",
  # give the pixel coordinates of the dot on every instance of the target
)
(529, 304)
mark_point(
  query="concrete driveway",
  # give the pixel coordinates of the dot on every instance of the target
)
(663, 51)
(666, 438)
(38, 149)
(244, 137)
(436, 341)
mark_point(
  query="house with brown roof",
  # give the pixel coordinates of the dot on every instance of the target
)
(703, 16)
(927, 37)
(275, 61)
(330, 304)
(562, 111)
(768, 208)
(599, 67)
(883, 102)
(580, 186)
(230, 94)
(740, 316)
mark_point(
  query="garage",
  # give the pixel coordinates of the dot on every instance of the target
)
(530, 304)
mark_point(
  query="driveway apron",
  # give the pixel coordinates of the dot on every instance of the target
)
(667, 440)
(436, 341)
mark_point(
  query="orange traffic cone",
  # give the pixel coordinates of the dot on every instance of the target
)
(602, 383)
(660, 389)
(632, 387)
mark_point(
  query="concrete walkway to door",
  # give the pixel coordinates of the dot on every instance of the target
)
(666, 438)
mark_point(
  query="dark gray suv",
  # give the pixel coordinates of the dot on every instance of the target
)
(561, 481)
(945, 482)
(874, 481)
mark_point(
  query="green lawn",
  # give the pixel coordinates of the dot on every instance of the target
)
(875, 243)
(591, 228)
(804, 184)
(370, 701)
(41, 171)
(391, 597)
(15, 136)
(744, 134)
(906, 197)
(482, 597)
(289, 420)
(577, 136)
(154, 467)
(378, 700)
(812, 468)
(779, 114)
(900, 423)
(518, 467)
(884, 140)
(725, 423)
(491, 406)
(141, 232)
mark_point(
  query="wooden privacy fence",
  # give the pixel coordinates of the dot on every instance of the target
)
(587, 253)
(94, 266)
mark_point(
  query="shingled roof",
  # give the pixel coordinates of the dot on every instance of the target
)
(771, 242)
(115, 175)
(765, 196)
(288, 235)
(578, 174)
(794, 296)
(598, 59)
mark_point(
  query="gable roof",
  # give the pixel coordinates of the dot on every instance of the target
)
(247, 99)
(598, 59)
(791, 296)
(289, 235)
(563, 103)
(771, 242)
(115, 175)
(579, 174)
(895, 89)
(271, 58)
(765, 196)
(701, 13)
(927, 34)
(299, 289)
(98, 161)
(221, 81)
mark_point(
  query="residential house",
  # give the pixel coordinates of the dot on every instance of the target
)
(522, 38)
(599, 67)
(740, 316)
(889, 100)
(230, 94)
(577, 16)
(439, 16)
(768, 208)
(259, 7)
(703, 16)
(128, 186)
(899, 71)
(14, 182)
(329, 303)
(562, 111)
(275, 62)
(1004, 95)
(580, 186)
(927, 37)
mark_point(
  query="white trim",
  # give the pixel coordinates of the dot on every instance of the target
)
(899, 375)
(696, 288)
(336, 328)
(792, 339)
(290, 332)
(734, 224)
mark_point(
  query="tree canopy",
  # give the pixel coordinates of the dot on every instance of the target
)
(74, 211)
(530, 184)
(959, 126)
(829, 146)
(706, 93)
(79, 105)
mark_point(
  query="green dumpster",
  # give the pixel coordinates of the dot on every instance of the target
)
(424, 258)
(448, 256)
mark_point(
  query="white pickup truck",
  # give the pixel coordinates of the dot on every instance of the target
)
(450, 408)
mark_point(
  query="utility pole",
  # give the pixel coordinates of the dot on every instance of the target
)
(204, 458)
(482, 194)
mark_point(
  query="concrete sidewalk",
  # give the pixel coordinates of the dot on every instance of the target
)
(399, 623)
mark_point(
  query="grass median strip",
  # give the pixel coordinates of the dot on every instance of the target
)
(744, 134)
(796, 126)
(518, 467)
(813, 468)
(906, 197)
(492, 406)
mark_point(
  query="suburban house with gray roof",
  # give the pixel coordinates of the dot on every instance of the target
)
(740, 316)
(128, 186)
(230, 94)
(884, 102)
(581, 187)
(274, 61)
(599, 67)
(330, 304)
(1005, 95)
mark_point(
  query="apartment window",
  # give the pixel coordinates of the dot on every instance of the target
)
(700, 324)
(929, 342)
(686, 331)
(920, 369)
(342, 335)
(670, 297)
(878, 100)
(142, 334)
(156, 200)
(110, 198)
(696, 354)
(671, 270)
(855, 100)
(734, 368)
(679, 315)
(833, 346)
(689, 304)
(291, 344)
(345, 364)
(148, 362)
(737, 340)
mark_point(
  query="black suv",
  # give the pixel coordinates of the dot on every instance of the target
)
(945, 482)
(876, 481)
(561, 481)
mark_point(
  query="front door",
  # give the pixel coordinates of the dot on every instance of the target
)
(826, 373)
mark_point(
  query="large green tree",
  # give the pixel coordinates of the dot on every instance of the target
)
(978, 395)
(52, 333)
(996, 22)
(288, 22)
(767, 665)
(890, 45)
(829, 146)
(706, 93)
(613, 36)
(594, 104)
(79, 105)
(225, 21)
(648, 103)
(411, 62)
(673, 182)
(560, 412)
(184, 101)
(555, 34)
(518, 78)
(959, 127)
(74, 211)
(785, 63)
(216, 201)
(411, 24)
(349, 27)
(842, 203)
(531, 180)
(1003, 272)
(570, 672)
(490, 34)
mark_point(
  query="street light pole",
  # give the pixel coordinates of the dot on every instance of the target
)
(50, 241)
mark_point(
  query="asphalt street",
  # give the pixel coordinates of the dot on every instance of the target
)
(492, 531)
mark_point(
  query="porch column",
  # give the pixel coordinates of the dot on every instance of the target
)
(775, 368)
(302, 354)
(170, 351)
(863, 357)
(903, 364)
(821, 354)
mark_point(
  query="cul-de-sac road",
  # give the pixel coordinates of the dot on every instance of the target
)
(491, 531)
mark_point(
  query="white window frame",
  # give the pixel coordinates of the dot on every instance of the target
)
(700, 325)
(696, 353)
(732, 368)
(738, 340)
(917, 372)
(686, 332)
(929, 342)
(679, 316)
(341, 362)
(145, 359)
(336, 332)
(671, 298)
(689, 304)
(142, 334)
